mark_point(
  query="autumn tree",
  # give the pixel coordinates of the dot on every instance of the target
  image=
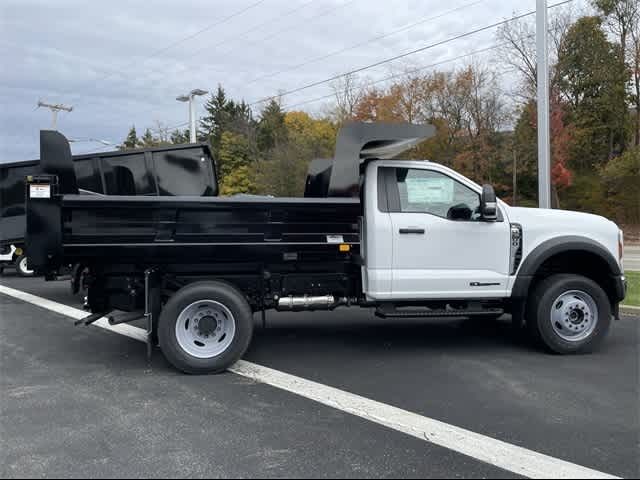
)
(316, 136)
(236, 173)
(283, 169)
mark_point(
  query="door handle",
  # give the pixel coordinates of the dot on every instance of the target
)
(408, 231)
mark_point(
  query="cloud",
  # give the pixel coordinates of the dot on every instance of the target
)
(96, 55)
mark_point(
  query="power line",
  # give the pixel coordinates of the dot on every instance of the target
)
(493, 47)
(295, 25)
(403, 74)
(403, 55)
(211, 48)
(366, 42)
(270, 36)
(413, 71)
(394, 76)
(179, 41)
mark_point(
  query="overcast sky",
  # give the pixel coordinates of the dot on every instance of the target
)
(121, 63)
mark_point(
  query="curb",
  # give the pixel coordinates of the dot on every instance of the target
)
(628, 310)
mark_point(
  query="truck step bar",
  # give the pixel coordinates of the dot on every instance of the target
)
(391, 311)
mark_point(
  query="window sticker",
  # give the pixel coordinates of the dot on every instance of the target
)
(430, 190)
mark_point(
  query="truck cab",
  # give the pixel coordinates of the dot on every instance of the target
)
(427, 236)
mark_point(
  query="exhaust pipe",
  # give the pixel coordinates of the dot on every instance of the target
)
(308, 302)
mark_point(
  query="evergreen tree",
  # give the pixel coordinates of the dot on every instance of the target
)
(272, 130)
(148, 140)
(179, 137)
(131, 141)
(214, 122)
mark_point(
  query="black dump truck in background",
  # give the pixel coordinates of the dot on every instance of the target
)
(163, 171)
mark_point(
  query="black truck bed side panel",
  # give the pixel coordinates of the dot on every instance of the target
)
(164, 230)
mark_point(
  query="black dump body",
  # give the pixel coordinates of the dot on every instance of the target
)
(163, 171)
(268, 247)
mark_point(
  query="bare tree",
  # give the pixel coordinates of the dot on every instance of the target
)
(163, 133)
(348, 91)
(518, 50)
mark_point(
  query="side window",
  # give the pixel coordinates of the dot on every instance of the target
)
(425, 191)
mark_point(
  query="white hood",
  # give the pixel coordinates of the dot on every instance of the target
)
(539, 225)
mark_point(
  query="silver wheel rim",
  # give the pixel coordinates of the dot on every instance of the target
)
(574, 316)
(205, 329)
(23, 266)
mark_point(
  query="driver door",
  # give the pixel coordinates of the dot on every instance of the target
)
(441, 246)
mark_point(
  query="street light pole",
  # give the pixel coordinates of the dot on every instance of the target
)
(544, 148)
(192, 111)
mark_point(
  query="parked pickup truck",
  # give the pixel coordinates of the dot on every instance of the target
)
(163, 171)
(406, 238)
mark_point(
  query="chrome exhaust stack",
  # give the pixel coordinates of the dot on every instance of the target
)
(309, 302)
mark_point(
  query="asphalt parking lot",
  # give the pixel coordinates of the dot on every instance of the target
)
(82, 402)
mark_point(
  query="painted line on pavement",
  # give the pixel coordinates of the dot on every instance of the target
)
(75, 313)
(503, 455)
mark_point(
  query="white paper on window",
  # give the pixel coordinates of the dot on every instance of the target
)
(429, 190)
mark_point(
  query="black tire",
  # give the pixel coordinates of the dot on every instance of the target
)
(226, 295)
(21, 266)
(541, 303)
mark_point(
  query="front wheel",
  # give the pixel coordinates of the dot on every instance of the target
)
(205, 327)
(22, 268)
(569, 314)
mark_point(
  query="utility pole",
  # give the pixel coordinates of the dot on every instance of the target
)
(55, 108)
(544, 148)
(515, 179)
(192, 111)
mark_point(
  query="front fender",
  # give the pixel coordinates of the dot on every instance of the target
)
(554, 246)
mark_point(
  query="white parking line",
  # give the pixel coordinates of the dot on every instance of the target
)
(75, 313)
(503, 455)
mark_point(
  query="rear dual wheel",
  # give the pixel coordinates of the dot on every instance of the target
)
(205, 327)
